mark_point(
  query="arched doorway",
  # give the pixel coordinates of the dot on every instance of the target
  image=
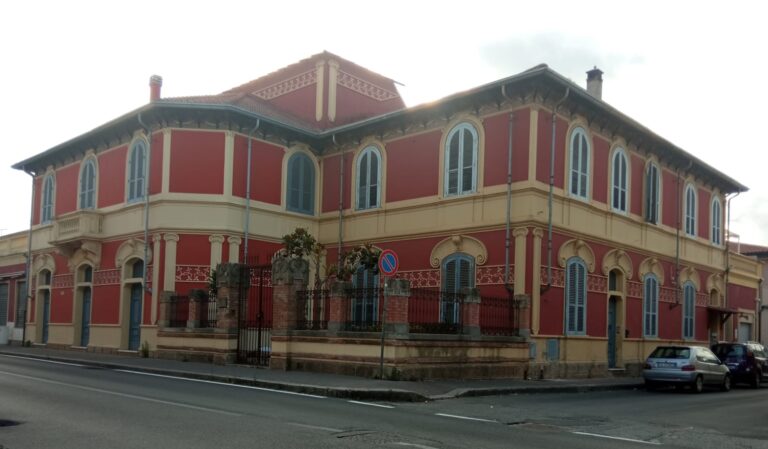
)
(43, 305)
(83, 299)
(615, 318)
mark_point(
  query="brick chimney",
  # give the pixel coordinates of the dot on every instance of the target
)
(155, 83)
(595, 83)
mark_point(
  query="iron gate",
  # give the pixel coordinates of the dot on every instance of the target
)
(254, 337)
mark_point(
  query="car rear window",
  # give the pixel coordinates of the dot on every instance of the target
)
(668, 352)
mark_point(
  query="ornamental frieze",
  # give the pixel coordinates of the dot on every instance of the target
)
(106, 277)
(493, 275)
(421, 278)
(192, 273)
(363, 87)
(63, 281)
(287, 86)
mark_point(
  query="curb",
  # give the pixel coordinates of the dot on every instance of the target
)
(392, 395)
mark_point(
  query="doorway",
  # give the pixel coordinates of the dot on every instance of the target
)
(134, 326)
(612, 331)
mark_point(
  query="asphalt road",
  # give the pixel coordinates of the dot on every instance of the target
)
(54, 405)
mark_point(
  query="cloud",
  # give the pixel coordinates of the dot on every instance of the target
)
(569, 55)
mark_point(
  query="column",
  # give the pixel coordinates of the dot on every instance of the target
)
(169, 272)
(216, 241)
(234, 248)
(156, 241)
(520, 235)
(333, 74)
(538, 234)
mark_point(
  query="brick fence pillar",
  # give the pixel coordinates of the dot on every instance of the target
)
(289, 275)
(523, 310)
(338, 305)
(397, 293)
(232, 280)
(470, 311)
(163, 320)
(196, 298)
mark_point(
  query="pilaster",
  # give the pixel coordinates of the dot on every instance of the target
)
(216, 241)
(520, 235)
(538, 234)
(234, 248)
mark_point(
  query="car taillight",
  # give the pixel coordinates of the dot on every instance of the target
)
(647, 366)
(688, 368)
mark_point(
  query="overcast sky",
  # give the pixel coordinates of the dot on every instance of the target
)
(693, 72)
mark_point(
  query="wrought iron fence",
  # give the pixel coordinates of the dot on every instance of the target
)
(179, 311)
(366, 309)
(312, 309)
(209, 312)
(434, 312)
(497, 316)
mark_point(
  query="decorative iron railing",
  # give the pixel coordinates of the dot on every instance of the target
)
(312, 310)
(497, 316)
(434, 312)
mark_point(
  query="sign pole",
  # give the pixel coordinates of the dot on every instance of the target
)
(388, 265)
(383, 328)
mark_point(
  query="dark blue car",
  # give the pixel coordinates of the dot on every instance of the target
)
(746, 361)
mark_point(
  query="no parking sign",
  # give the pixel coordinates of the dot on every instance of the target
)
(388, 262)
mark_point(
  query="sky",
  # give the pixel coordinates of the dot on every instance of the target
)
(691, 71)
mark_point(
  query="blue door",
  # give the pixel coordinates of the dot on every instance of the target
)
(46, 313)
(85, 332)
(612, 333)
(134, 322)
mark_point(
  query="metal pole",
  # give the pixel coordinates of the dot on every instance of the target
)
(383, 328)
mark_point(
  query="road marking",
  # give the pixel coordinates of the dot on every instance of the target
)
(327, 429)
(122, 395)
(420, 446)
(371, 404)
(213, 382)
(616, 438)
(42, 360)
(466, 417)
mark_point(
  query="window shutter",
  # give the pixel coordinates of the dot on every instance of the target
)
(450, 276)
(373, 180)
(581, 298)
(468, 157)
(362, 181)
(453, 164)
(571, 298)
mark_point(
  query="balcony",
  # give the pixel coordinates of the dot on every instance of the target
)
(81, 225)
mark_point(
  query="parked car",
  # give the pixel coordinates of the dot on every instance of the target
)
(693, 366)
(748, 362)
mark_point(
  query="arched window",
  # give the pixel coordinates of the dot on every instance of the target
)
(652, 194)
(368, 178)
(137, 270)
(458, 273)
(717, 217)
(650, 306)
(301, 184)
(461, 160)
(619, 189)
(579, 166)
(575, 296)
(137, 171)
(365, 298)
(690, 211)
(88, 185)
(689, 308)
(47, 205)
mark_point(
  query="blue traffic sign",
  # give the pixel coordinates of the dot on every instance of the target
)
(388, 263)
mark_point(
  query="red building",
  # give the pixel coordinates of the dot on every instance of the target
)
(611, 237)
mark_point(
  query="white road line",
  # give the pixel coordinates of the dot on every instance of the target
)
(41, 360)
(307, 426)
(371, 404)
(466, 417)
(616, 438)
(213, 382)
(420, 446)
(122, 395)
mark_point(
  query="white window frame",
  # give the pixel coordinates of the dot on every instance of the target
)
(461, 189)
(87, 196)
(690, 210)
(576, 321)
(137, 176)
(579, 166)
(716, 216)
(48, 199)
(363, 199)
(650, 306)
(689, 311)
(620, 187)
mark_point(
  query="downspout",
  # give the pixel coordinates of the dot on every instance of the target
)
(341, 201)
(727, 251)
(507, 240)
(247, 224)
(29, 263)
(148, 132)
(551, 190)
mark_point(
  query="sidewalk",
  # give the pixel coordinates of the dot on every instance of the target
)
(333, 385)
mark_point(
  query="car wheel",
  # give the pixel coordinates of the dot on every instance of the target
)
(698, 385)
(754, 381)
(726, 386)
